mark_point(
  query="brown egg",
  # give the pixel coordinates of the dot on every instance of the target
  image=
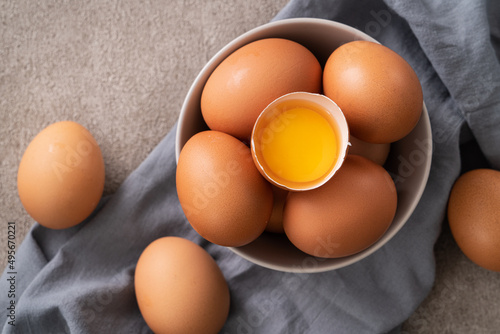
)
(377, 153)
(275, 223)
(180, 288)
(344, 216)
(252, 77)
(377, 90)
(222, 193)
(474, 216)
(61, 175)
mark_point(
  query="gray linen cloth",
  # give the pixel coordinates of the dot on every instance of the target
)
(80, 280)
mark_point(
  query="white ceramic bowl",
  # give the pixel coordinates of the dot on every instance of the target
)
(408, 162)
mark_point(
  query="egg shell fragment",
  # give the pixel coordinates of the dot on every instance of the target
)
(344, 216)
(180, 288)
(223, 195)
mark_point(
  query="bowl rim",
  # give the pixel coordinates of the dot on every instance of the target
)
(246, 38)
(234, 44)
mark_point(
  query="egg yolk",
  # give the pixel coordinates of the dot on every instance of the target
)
(299, 145)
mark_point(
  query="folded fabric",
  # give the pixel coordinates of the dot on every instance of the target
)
(80, 280)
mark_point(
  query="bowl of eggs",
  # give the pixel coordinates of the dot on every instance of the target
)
(303, 145)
